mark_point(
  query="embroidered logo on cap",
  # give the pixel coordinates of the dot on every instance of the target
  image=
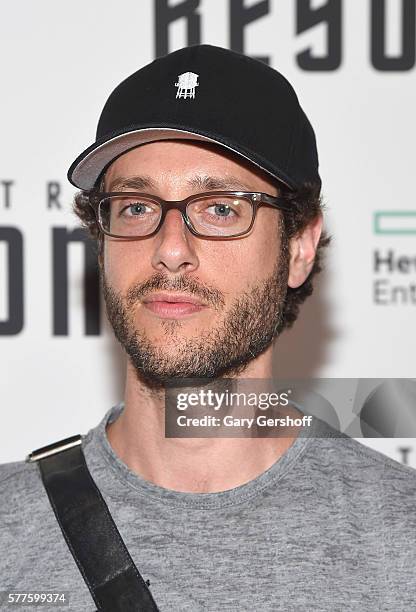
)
(186, 85)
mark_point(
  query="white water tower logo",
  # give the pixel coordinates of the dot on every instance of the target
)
(186, 85)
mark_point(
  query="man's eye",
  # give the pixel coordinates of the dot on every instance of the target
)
(221, 210)
(135, 209)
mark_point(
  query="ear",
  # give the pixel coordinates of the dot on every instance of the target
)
(302, 252)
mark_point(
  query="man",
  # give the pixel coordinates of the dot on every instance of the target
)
(203, 193)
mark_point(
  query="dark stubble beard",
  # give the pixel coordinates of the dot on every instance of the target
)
(253, 321)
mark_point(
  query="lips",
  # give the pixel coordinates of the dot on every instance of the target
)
(176, 298)
(172, 305)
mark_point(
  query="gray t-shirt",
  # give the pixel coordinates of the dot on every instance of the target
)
(330, 526)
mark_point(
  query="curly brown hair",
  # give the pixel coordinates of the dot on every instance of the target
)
(306, 205)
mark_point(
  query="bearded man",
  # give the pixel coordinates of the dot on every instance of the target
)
(203, 193)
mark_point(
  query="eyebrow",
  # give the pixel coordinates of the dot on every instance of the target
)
(200, 182)
(131, 182)
(219, 182)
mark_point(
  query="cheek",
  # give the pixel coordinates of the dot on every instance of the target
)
(119, 266)
(241, 264)
(261, 249)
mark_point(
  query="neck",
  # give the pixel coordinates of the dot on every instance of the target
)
(195, 465)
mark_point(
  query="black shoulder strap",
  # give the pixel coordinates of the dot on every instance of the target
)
(89, 530)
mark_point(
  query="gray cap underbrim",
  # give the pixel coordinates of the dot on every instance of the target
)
(87, 171)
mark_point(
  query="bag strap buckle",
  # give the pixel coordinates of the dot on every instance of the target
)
(55, 447)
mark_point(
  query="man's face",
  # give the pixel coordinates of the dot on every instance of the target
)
(241, 283)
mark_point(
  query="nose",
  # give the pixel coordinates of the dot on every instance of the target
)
(174, 245)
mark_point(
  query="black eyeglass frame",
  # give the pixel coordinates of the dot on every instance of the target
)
(256, 200)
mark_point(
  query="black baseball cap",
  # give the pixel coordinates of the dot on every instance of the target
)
(211, 94)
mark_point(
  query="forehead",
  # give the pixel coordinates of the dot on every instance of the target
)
(173, 160)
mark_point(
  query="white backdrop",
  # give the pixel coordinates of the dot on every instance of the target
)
(60, 61)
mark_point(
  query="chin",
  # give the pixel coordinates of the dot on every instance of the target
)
(160, 329)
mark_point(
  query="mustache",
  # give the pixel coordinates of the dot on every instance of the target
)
(159, 282)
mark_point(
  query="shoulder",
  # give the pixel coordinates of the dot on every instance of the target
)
(21, 482)
(357, 452)
(18, 477)
(25, 513)
(365, 472)
(21, 492)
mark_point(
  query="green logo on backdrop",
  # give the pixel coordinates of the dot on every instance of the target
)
(395, 222)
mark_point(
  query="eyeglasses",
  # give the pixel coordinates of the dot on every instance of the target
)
(215, 214)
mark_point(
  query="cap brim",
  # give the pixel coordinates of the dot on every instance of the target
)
(88, 166)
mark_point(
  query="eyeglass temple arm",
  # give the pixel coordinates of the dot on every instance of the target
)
(276, 201)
